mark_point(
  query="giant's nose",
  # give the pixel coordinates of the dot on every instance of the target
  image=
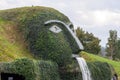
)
(68, 28)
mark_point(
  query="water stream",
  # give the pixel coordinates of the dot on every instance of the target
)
(86, 75)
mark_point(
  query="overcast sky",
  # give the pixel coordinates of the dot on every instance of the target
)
(96, 16)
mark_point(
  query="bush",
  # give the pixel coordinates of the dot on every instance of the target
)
(48, 70)
(23, 67)
(72, 72)
(32, 70)
(100, 70)
(71, 76)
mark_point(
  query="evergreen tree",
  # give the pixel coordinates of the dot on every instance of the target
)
(89, 41)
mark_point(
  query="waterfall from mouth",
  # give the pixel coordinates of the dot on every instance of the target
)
(86, 75)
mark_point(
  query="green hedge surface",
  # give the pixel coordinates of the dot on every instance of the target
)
(47, 70)
(100, 70)
(31, 70)
(23, 67)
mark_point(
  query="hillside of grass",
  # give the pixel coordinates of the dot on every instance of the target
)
(92, 58)
(12, 45)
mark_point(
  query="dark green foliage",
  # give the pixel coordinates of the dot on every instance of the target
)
(32, 70)
(117, 55)
(72, 72)
(23, 67)
(48, 45)
(71, 76)
(90, 42)
(100, 70)
(48, 71)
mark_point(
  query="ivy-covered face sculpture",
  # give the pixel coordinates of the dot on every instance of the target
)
(50, 37)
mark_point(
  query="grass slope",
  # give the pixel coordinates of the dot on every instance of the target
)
(12, 44)
(92, 58)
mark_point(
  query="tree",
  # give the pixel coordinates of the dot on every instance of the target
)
(117, 55)
(112, 44)
(89, 41)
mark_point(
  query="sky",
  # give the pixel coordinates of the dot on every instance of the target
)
(94, 16)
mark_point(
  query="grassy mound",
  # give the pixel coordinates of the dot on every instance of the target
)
(94, 58)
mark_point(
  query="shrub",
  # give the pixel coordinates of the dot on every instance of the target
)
(48, 70)
(31, 70)
(23, 67)
(72, 72)
(100, 70)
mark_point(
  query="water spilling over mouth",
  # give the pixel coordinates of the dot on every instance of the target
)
(86, 75)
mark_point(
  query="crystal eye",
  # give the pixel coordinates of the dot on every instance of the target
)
(55, 29)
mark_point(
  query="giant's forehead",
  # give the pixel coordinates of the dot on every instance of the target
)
(52, 14)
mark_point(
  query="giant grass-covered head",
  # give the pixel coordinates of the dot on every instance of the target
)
(49, 35)
(47, 32)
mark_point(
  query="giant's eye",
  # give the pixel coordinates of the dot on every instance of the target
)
(55, 29)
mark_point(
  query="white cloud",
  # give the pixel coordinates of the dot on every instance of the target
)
(99, 22)
(101, 17)
(98, 17)
(3, 4)
(106, 17)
